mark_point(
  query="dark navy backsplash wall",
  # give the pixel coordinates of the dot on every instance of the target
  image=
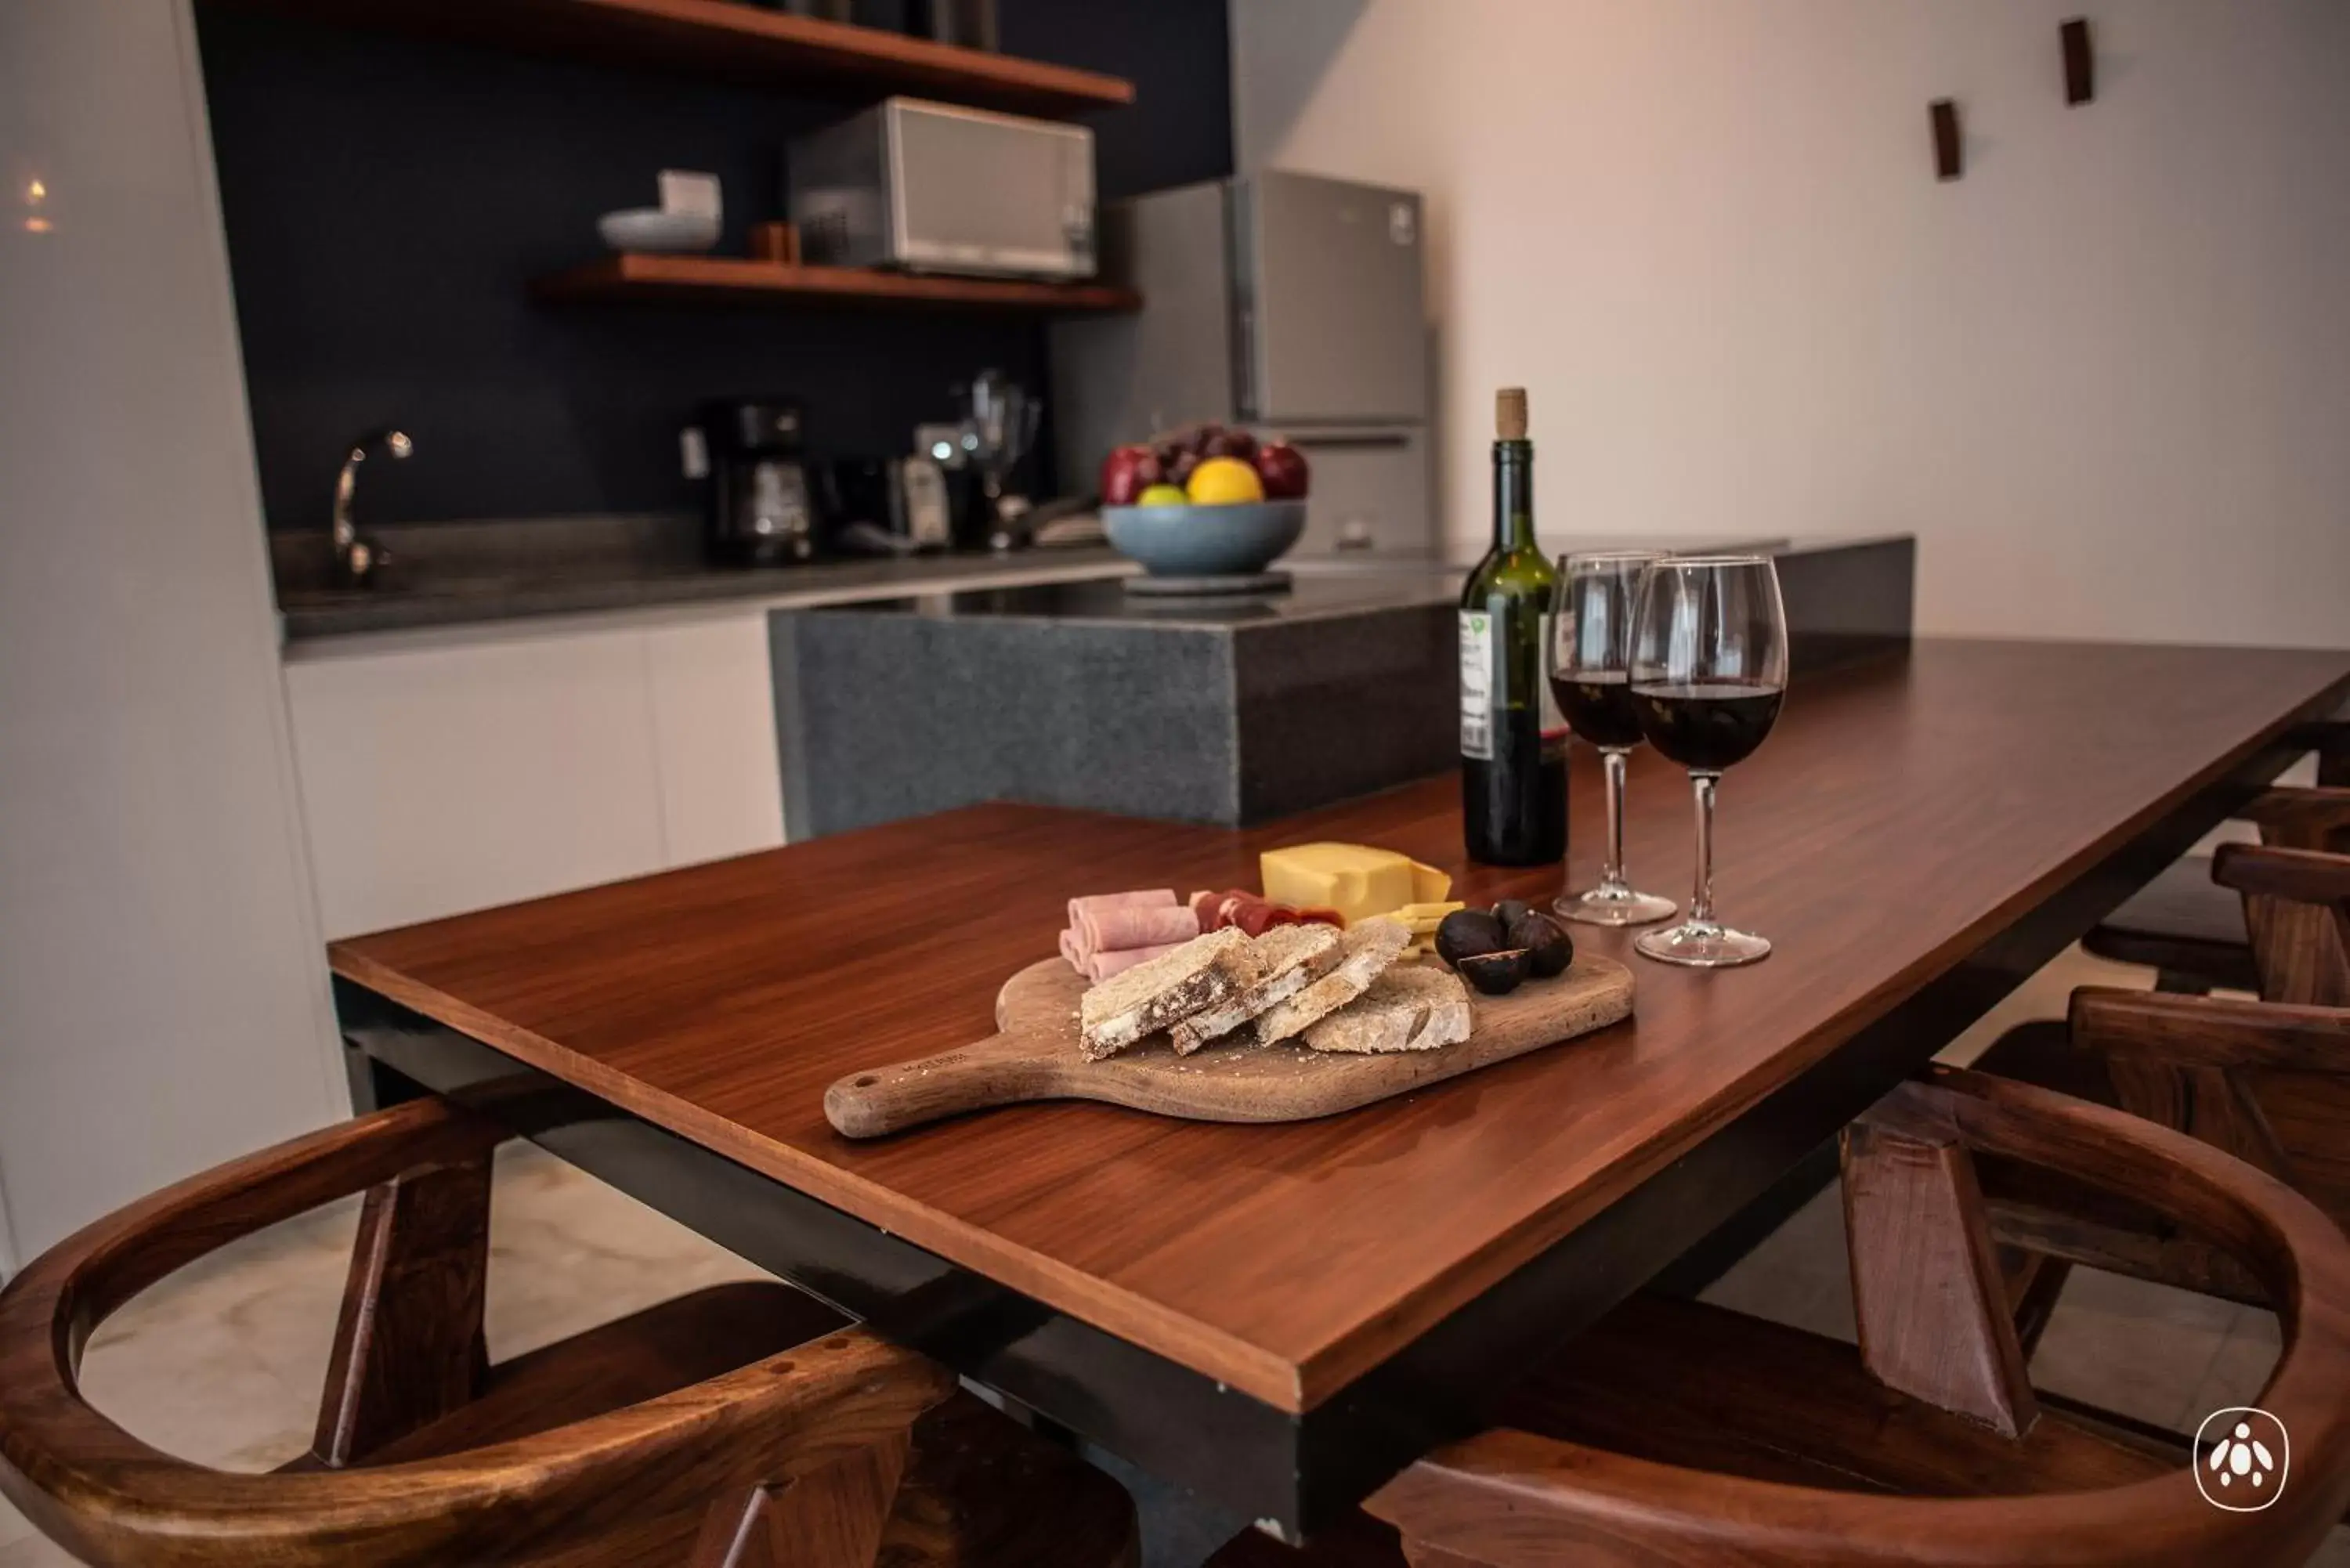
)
(388, 199)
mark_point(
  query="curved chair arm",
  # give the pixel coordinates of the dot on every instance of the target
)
(111, 1497)
(2212, 1031)
(1522, 1500)
(2298, 876)
(2294, 818)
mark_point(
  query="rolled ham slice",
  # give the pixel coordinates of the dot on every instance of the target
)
(1101, 966)
(1144, 900)
(1117, 929)
(1101, 923)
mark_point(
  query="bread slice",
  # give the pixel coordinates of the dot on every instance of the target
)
(1162, 991)
(1369, 948)
(1412, 1007)
(1292, 958)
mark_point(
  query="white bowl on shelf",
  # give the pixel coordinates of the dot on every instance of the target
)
(650, 229)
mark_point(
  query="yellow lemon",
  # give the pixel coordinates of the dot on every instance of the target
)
(1224, 481)
(1162, 495)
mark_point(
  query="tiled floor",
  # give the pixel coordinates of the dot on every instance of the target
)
(222, 1362)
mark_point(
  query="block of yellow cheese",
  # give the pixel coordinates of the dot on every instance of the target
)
(1358, 880)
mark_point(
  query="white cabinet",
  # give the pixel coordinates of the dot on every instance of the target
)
(452, 776)
(714, 712)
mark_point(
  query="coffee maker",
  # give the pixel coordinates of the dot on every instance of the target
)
(760, 511)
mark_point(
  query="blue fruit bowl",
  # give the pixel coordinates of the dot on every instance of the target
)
(1205, 541)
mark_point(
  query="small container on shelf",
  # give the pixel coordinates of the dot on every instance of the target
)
(687, 219)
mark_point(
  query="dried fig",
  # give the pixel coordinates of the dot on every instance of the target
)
(1496, 974)
(1465, 933)
(1549, 949)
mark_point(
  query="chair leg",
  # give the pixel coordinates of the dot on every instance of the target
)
(1928, 1292)
(409, 1347)
(832, 1518)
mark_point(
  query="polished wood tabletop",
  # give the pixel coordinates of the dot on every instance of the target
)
(1903, 813)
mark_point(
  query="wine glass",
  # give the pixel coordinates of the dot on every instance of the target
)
(1709, 673)
(1591, 675)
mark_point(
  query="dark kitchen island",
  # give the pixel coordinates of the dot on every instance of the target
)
(1216, 711)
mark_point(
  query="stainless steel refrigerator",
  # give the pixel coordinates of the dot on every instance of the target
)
(1286, 302)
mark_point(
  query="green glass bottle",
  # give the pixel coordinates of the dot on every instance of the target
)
(1513, 741)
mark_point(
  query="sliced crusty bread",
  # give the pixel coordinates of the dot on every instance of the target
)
(1162, 991)
(1369, 947)
(1412, 1007)
(1292, 958)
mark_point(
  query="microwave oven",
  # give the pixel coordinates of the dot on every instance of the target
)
(930, 187)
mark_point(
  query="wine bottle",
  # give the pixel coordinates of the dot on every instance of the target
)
(1513, 741)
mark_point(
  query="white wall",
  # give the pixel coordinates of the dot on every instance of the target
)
(2105, 376)
(162, 990)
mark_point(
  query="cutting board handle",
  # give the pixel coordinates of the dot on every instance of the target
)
(997, 1071)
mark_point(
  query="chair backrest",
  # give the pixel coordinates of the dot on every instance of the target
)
(1517, 1500)
(2269, 1082)
(2297, 911)
(614, 1487)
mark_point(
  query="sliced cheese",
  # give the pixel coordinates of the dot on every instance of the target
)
(1358, 880)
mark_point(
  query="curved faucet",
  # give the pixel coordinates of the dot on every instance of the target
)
(357, 559)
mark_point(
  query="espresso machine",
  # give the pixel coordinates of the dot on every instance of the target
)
(761, 512)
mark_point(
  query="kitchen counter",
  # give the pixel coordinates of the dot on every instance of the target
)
(472, 574)
(1226, 711)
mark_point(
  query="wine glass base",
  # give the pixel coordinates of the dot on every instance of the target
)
(1613, 907)
(1708, 946)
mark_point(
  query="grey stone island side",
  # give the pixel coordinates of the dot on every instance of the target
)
(1228, 711)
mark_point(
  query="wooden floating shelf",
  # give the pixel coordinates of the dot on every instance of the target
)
(736, 41)
(738, 280)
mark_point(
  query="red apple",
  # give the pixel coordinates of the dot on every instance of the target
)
(1283, 469)
(1127, 472)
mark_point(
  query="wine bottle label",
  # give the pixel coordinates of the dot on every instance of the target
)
(1477, 695)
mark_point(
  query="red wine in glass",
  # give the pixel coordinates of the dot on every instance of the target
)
(1599, 706)
(1709, 673)
(1708, 726)
(1590, 666)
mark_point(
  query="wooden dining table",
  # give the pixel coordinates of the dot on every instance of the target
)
(1277, 1317)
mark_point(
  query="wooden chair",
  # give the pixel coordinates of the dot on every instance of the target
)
(2268, 1082)
(739, 1425)
(2188, 930)
(1680, 1434)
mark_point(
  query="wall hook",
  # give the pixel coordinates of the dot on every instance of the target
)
(2080, 61)
(1950, 162)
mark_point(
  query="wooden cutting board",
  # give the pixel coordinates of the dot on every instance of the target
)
(1034, 1056)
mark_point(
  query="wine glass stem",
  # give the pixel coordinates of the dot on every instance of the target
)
(1701, 900)
(1611, 874)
